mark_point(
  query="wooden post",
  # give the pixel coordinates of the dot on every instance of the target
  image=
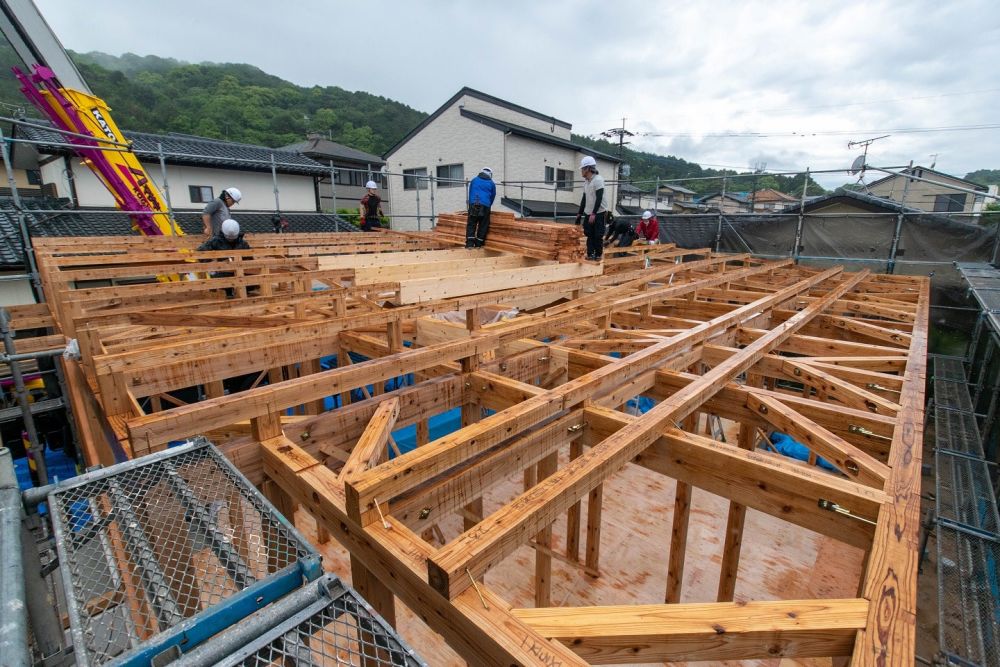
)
(543, 559)
(678, 542)
(734, 529)
(573, 515)
(595, 501)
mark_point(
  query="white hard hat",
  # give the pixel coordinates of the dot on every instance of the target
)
(371, 185)
(234, 193)
(646, 215)
(487, 171)
(588, 161)
(230, 228)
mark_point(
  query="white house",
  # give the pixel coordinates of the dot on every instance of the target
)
(534, 160)
(197, 169)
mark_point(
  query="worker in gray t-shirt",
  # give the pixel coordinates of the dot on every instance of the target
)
(593, 208)
(217, 211)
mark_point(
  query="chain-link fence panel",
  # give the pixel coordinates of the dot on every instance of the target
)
(147, 545)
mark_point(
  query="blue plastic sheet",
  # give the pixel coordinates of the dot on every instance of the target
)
(786, 446)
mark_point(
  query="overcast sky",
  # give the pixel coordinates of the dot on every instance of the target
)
(681, 73)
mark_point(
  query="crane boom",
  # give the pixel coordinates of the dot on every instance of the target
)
(56, 88)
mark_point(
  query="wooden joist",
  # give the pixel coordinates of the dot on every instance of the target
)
(834, 358)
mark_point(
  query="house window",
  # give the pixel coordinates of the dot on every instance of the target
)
(34, 177)
(201, 194)
(414, 179)
(451, 175)
(950, 203)
(564, 179)
(351, 177)
(550, 175)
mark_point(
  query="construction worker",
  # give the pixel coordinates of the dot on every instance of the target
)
(593, 208)
(482, 192)
(648, 228)
(620, 233)
(217, 211)
(370, 209)
(228, 238)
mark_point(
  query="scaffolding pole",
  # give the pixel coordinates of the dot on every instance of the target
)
(22, 223)
(36, 449)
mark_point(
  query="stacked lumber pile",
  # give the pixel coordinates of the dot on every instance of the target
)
(528, 237)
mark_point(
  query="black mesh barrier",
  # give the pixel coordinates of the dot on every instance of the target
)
(767, 235)
(865, 237)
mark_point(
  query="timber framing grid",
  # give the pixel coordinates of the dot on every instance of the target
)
(835, 359)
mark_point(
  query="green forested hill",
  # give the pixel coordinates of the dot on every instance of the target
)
(230, 101)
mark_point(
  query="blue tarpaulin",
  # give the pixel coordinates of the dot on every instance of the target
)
(786, 446)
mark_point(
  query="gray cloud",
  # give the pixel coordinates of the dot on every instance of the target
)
(693, 68)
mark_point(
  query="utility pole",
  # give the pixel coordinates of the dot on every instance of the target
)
(621, 133)
(758, 169)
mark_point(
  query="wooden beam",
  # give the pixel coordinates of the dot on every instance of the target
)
(482, 634)
(890, 580)
(840, 390)
(509, 527)
(714, 632)
(371, 447)
(158, 429)
(850, 460)
(422, 464)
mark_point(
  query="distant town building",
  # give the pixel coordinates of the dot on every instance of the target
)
(729, 202)
(942, 196)
(771, 201)
(350, 168)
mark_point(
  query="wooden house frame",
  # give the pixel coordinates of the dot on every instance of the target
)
(835, 359)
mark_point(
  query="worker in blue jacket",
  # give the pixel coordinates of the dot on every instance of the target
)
(482, 192)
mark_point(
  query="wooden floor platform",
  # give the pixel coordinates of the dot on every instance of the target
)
(558, 525)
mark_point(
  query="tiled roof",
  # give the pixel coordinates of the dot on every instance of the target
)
(862, 200)
(729, 195)
(677, 188)
(771, 195)
(195, 151)
(109, 222)
(324, 149)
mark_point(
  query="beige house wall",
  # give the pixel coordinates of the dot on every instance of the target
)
(922, 195)
(453, 139)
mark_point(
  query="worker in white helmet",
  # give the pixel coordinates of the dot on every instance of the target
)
(593, 208)
(648, 228)
(482, 193)
(229, 238)
(370, 209)
(217, 211)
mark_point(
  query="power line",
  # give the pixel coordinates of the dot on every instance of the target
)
(824, 133)
(870, 102)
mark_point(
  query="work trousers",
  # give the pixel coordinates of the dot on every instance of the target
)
(477, 226)
(595, 235)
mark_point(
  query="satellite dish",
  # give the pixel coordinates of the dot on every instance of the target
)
(858, 165)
